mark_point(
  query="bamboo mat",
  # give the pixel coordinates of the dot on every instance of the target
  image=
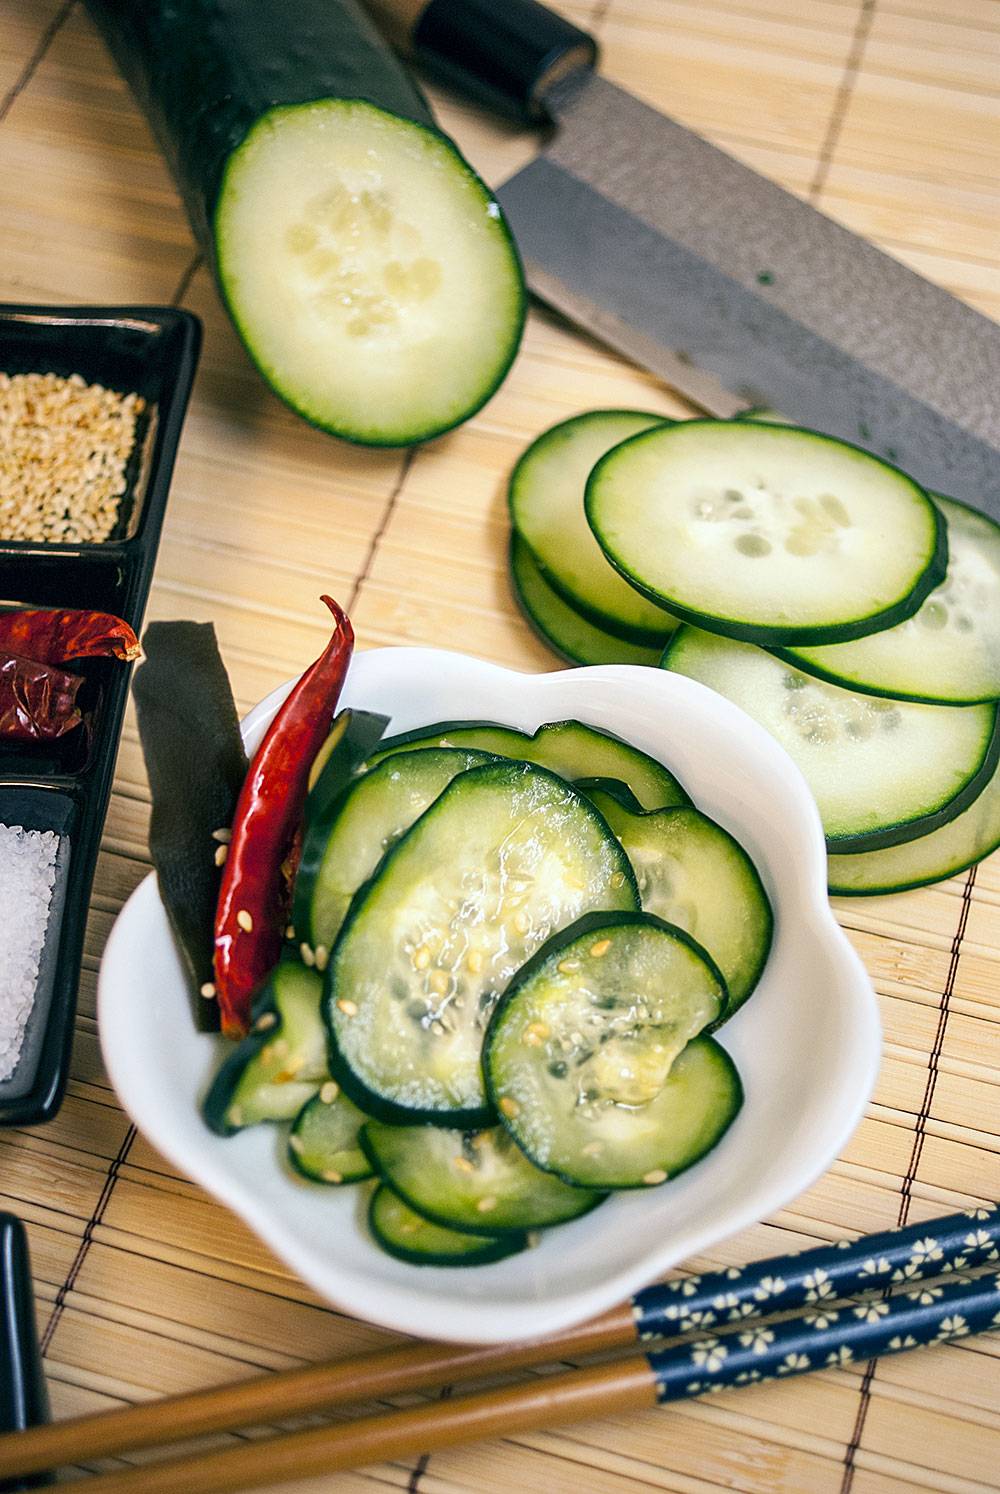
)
(885, 113)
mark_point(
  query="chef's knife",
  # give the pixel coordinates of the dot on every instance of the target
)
(728, 287)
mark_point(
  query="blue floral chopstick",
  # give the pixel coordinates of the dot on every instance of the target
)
(828, 1337)
(817, 1277)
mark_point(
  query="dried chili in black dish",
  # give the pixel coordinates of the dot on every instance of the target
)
(57, 635)
(37, 701)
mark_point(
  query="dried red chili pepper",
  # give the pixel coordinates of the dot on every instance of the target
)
(251, 912)
(54, 636)
(37, 702)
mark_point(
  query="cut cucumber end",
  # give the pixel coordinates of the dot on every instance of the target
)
(368, 271)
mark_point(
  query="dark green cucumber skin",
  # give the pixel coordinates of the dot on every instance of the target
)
(771, 637)
(300, 1167)
(496, 1248)
(220, 1094)
(615, 789)
(362, 734)
(204, 71)
(377, 1105)
(591, 923)
(442, 728)
(600, 620)
(907, 830)
(464, 1226)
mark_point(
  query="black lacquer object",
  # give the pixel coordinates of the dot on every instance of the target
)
(23, 1399)
(65, 785)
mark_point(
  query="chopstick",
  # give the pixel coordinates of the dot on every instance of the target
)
(810, 1340)
(810, 1279)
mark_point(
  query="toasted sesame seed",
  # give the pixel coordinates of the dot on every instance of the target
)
(486, 1205)
(234, 1115)
(409, 1228)
(322, 956)
(329, 1092)
(349, 1008)
(290, 931)
(308, 958)
(656, 1176)
(264, 1021)
(462, 1164)
(296, 1143)
(223, 835)
(245, 921)
(600, 948)
(567, 967)
(474, 961)
(509, 1107)
(221, 852)
(332, 1177)
(66, 445)
(208, 991)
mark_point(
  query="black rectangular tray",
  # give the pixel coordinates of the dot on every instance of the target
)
(65, 786)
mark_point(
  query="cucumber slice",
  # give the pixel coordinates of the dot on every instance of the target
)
(323, 1143)
(565, 630)
(281, 1064)
(767, 533)
(882, 772)
(504, 857)
(568, 748)
(949, 652)
(341, 851)
(413, 1239)
(944, 853)
(589, 1058)
(478, 1181)
(546, 509)
(366, 267)
(693, 874)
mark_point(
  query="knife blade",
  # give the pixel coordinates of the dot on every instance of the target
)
(715, 278)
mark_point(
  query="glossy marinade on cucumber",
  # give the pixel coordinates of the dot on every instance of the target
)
(366, 267)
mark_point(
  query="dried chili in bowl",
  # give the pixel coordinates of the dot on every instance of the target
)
(253, 899)
(57, 635)
(37, 701)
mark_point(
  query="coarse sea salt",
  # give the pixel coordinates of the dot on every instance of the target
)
(27, 877)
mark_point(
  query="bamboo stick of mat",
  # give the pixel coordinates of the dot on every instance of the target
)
(812, 1340)
(777, 1284)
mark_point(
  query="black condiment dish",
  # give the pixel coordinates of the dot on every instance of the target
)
(65, 785)
(23, 1398)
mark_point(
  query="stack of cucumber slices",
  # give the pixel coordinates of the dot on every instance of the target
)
(507, 958)
(851, 613)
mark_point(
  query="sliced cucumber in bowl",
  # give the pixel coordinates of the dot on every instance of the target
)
(765, 533)
(570, 748)
(882, 772)
(475, 1181)
(408, 1236)
(505, 856)
(593, 1058)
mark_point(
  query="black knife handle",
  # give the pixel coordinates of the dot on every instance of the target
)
(507, 54)
(23, 1401)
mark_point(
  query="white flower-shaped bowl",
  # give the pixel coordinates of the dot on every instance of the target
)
(806, 1044)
